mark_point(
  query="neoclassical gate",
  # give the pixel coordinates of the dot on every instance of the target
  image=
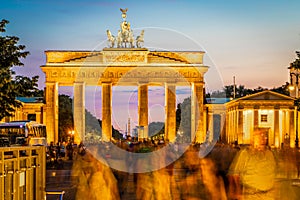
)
(124, 66)
(125, 63)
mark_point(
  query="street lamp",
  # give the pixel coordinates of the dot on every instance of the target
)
(296, 74)
(71, 133)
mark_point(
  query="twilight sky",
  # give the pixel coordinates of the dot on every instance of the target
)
(252, 40)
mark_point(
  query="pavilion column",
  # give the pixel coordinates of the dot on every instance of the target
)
(292, 128)
(210, 133)
(25, 116)
(231, 122)
(235, 122)
(255, 121)
(197, 109)
(240, 132)
(206, 110)
(284, 126)
(222, 137)
(79, 111)
(227, 129)
(143, 110)
(232, 125)
(52, 111)
(255, 117)
(170, 109)
(275, 139)
(106, 111)
(38, 117)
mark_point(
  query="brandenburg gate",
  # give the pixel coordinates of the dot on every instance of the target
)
(125, 63)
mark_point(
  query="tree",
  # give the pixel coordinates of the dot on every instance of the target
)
(282, 89)
(66, 120)
(156, 128)
(185, 122)
(65, 116)
(27, 87)
(10, 55)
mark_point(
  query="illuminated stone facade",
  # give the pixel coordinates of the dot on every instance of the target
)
(266, 109)
(32, 109)
(124, 67)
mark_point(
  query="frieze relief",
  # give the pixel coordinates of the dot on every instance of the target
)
(124, 57)
(123, 74)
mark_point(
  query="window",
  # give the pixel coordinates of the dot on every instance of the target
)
(263, 118)
(31, 117)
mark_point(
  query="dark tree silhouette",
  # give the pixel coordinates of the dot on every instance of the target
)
(10, 55)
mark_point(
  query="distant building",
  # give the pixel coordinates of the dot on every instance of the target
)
(32, 109)
(215, 118)
(266, 109)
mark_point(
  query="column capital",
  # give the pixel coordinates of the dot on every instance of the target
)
(79, 83)
(276, 107)
(198, 83)
(256, 107)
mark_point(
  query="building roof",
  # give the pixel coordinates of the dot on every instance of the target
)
(217, 100)
(265, 95)
(31, 99)
(273, 98)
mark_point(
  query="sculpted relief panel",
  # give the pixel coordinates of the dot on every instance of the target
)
(114, 57)
(123, 74)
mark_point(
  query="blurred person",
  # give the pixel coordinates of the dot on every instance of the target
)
(69, 148)
(199, 179)
(251, 174)
(214, 183)
(158, 183)
(95, 179)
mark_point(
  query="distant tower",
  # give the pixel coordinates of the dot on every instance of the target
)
(128, 130)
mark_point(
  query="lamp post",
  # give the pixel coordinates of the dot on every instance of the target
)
(296, 74)
(71, 133)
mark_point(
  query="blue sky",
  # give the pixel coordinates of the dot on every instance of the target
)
(246, 39)
(252, 40)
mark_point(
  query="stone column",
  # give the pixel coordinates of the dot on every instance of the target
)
(38, 117)
(143, 109)
(210, 137)
(284, 126)
(227, 128)
(170, 109)
(106, 111)
(292, 130)
(79, 111)
(222, 137)
(255, 121)
(240, 131)
(25, 116)
(275, 139)
(231, 131)
(235, 122)
(255, 117)
(52, 111)
(197, 122)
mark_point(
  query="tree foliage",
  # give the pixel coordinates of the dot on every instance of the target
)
(65, 116)
(11, 54)
(28, 87)
(185, 119)
(241, 91)
(66, 120)
(296, 63)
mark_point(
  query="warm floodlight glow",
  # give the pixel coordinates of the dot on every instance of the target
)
(291, 87)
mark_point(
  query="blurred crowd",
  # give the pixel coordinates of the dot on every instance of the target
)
(226, 172)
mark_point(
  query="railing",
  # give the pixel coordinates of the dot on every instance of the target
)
(23, 173)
